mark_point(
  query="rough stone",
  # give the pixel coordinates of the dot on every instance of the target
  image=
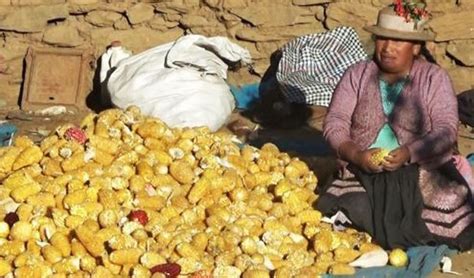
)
(463, 78)
(119, 7)
(159, 23)
(216, 4)
(344, 13)
(122, 24)
(357, 16)
(454, 26)
(270, 15)
(21, 19)
(103, 18)
(266, 34)
(267, 48)
(230, 4)
(191, 3)
(436, 6)
(172, 7)
(83, 2)
(36, 2)
(309, 2)
(66, 36)
(140, 13)
(191, 20)
(462, 51)
(218, 30)
(136, 40)
(82, 9)
(172, 17)
(438, 51)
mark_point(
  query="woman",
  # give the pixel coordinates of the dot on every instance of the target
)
(404, 104)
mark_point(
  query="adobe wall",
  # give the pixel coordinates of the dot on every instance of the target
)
(262, 26)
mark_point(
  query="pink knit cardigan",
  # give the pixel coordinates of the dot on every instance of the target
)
(425, 117)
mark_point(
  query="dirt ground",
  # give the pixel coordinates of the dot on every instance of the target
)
(297, 140)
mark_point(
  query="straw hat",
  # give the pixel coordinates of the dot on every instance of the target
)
(391, 25)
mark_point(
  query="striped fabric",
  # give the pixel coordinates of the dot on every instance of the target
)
(312, 65)
(447, 212)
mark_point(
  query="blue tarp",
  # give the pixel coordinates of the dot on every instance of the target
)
(7, 131)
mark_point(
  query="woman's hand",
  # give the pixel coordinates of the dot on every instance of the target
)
(363, 160)
(396, 159)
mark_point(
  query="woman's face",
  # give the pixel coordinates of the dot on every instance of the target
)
(395, 56)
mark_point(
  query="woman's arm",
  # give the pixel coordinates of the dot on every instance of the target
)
(443, 113)
(338, 120)
(338, 123)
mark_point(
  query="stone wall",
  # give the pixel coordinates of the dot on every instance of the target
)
(262, 26)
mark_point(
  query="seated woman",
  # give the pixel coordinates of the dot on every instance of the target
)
(421, 192)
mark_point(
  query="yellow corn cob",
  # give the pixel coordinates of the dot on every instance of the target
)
(122, 241)
(107, 218)
(17, 179)
(114, 268)
(154, 144)
(77, 249)
(47, 142)
(145, 170)
(74, 198)
(4, 229)
(51, 254)
(126, 256)
(130, 157)
(101, 129)
(137, 183)
(310, 216)
(27, 259)
(90, 241)
(88, 264)
(12, 248)
(256, 273)
(110, 146)
(88, 123)
(158, 157)
(52, 167)
(68, 265)
(342, 269)
(186, 250)
(61, 242)
(24, 212)
(22, 192)
(108, 233)
(5, 267)
(73, 221)
(21, 231)
(8, 157)
(107, 197)
(74, 162)
(103, 158)
(182, 172)
(150, 259)
(296, 169)
(151, 129)
(345, 255)
(198, 190)
(28, 156)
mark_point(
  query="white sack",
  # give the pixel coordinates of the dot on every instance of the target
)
(181, 83)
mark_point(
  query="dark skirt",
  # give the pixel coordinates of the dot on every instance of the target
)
(408, 207)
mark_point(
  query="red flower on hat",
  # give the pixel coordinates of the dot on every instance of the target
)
(411, 9)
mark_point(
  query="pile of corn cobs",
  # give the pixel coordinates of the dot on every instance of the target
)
(124, 195)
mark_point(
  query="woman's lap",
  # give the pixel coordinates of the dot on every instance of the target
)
(448, 222)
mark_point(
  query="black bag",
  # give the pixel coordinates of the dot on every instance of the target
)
(466, 107)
